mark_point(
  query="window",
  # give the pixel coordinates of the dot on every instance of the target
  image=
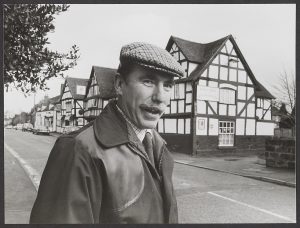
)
(68, 106)
(259, 103)
(95, 102)
(226, 133)
(96, 90)
(227, 96)
(179, 91)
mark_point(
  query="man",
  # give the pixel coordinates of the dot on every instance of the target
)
(116, 169)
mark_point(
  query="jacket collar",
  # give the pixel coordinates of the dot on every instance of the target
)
(111, 128)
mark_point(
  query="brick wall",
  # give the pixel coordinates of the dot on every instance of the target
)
(206, 144)
(280, 153)
(243, 144)
(250, 142)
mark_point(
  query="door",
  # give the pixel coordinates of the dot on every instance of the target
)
(226, 133)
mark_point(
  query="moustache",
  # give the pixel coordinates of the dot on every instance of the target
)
(153, 109)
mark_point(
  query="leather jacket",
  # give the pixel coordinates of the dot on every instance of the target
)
(102, 174)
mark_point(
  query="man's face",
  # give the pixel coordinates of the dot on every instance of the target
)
(144, 95)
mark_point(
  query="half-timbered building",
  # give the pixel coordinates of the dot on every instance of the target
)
(46, 114)
(72, 96)
(100, 89)
(218, 104)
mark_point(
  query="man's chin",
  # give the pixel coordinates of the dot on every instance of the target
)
(146, 124)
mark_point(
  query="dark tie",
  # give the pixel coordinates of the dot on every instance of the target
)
(147, 142)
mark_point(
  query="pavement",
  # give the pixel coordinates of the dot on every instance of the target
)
(246, 165)
(249, 165)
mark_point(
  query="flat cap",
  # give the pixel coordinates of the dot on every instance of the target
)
(150, 56)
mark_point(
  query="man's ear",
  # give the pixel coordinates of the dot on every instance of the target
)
(118, 84)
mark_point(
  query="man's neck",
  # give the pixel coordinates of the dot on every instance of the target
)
(140, 133)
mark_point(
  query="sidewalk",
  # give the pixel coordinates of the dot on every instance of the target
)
(247, 166)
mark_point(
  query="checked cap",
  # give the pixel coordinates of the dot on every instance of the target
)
(150, 56)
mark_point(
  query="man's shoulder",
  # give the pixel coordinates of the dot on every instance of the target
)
(81, 135)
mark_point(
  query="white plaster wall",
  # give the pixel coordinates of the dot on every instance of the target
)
(201, 107)
(232, 75)
(213, 127)
(170, 125)
(240, 126)
(181, 106)
(250, 127)
(265, 128)
(251, 110)
(232, 110)
(180, 126)
(242, 92)
(160, 125)
(188, 98)
(242, 76)
(222, 109)
(187, 126)
(224, 73)
(173, 106)
(213, 71)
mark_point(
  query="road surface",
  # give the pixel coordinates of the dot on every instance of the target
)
(203, 196)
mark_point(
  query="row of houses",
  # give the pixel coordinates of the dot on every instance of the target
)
(218, 104)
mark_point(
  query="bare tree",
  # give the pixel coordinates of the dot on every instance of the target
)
(285, 91)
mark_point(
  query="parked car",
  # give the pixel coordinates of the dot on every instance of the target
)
(27, 127)
(9, 127)
(19, 126)
(40, 130)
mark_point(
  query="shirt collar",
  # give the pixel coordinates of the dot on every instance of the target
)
(140, 133)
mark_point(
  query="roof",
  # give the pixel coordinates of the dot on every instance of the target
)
(261, 91)
(54, 100)
(203, 55)
(73, 83)
(196, 52)
(105, 78)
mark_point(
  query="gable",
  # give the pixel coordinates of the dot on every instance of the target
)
(227, 65)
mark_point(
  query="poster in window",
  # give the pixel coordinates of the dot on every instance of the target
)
(201, 128)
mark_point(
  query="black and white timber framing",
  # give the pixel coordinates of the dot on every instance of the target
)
(72, 96)
(218, 103)
(100, 90)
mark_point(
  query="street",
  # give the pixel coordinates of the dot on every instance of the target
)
(203, 196)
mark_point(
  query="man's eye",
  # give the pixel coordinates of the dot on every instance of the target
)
(147, 82)
(168, 85)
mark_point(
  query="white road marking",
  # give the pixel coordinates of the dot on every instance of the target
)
(34, 176)
(253, 207)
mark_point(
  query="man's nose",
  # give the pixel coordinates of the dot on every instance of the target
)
(159, 94)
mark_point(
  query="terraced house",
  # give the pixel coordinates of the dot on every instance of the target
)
(46, 115)
(218, 104)
(100, 89)
(72, 96)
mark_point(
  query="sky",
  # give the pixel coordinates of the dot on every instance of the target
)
(265, 34)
